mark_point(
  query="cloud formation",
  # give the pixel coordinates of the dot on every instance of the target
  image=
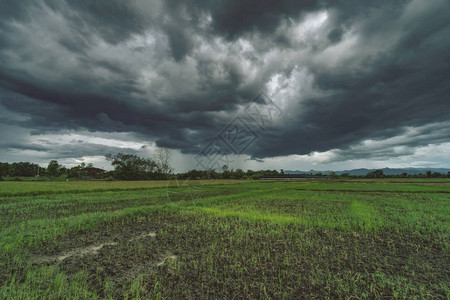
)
(177, 72)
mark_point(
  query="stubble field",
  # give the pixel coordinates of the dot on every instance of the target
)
(225, 239)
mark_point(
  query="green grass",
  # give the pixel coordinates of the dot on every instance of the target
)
(14, 188)
(224, 239)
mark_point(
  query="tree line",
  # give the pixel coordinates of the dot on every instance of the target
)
(133, 167)
(126, 167)
(428, 174)
(54, 170)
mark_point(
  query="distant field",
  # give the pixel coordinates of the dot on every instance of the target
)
(400, 180)
(225, 239)
(39, 187)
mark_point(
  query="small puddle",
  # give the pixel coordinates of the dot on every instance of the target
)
(90, 250)
(85, 251)
(75, 252)
(168, 257)
(148, 234)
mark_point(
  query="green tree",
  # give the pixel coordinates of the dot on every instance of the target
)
(53, 168)
(238, 174)
(376, 174)
(4, 169)
(225, 172)
(436, 175)
(132, 167)
(74, 172)
(23, 169)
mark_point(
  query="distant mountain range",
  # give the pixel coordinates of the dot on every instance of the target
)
(386, 171)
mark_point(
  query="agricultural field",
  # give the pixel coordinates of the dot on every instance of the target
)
(225, 239)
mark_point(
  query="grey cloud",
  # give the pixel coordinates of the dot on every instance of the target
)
(108, 123)
(161, 72)
(20, 142)
(335, 35)
(405, 143)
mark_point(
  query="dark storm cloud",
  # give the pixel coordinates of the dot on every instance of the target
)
(232, 18)
(178, 72)
(113, 20)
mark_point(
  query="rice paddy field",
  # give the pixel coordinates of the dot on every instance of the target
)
(354, 239)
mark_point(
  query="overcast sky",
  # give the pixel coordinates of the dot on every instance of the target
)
(341, 84)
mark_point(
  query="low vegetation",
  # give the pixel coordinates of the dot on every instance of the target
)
(133, 167)
(216, 239)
